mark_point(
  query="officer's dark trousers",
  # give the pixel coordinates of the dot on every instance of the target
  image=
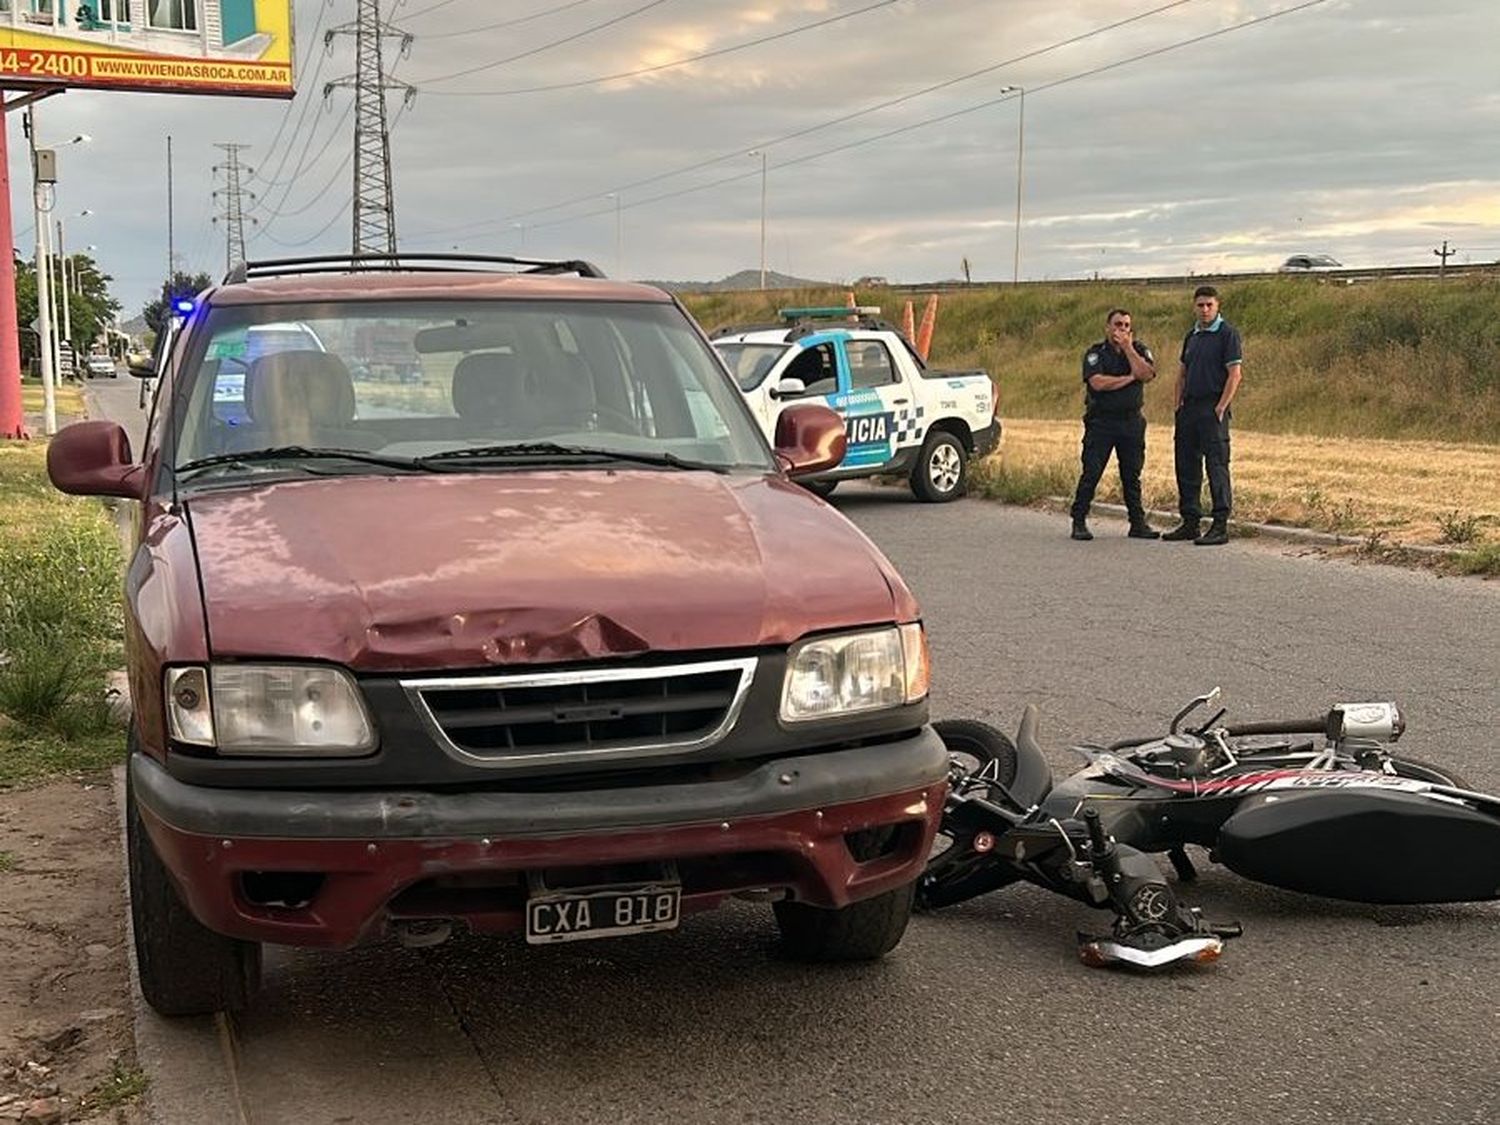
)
(1199, 440)
(1125, 437)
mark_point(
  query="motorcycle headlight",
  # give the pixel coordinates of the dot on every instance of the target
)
(269, 709)
(830, 677)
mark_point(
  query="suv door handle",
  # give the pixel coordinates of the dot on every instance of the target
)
(899, 401)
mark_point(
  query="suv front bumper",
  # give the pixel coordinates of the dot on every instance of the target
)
(368, 857)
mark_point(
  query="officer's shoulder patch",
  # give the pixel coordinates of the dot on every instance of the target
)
(1092, 359)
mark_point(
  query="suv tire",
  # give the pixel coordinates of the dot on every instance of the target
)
(942, 469)
(861, 931)
(823, 488)
(185, 968)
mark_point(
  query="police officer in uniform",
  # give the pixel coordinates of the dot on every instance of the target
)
(1114, 371)
(1207, 378)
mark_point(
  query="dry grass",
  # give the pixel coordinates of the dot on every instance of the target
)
(69, 399)
(1412, 491)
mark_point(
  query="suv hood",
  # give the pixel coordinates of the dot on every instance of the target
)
(470, 570)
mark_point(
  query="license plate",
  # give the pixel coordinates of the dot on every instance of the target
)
(578, 916)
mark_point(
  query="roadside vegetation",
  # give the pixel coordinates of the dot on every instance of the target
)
(60, 624)
(1368, 410)
(1398, 360)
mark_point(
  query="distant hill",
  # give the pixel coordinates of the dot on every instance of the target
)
(743, 280)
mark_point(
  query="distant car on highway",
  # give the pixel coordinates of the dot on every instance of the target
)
(1304, 263)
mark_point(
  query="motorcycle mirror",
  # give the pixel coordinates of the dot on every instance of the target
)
(1202, 701)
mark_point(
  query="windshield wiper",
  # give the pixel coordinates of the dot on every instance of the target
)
(299, 453)
(551, 450)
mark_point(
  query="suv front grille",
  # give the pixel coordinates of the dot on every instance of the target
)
(586, 715)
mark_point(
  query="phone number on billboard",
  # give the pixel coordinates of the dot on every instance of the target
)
(51, 63)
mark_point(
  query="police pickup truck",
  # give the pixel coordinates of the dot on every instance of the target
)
(901, 417)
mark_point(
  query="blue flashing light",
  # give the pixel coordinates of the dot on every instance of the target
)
(183, 305)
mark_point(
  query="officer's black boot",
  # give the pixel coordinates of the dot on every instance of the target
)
(1187, 529)
(1081, 529)
(1216, 535)
(1140, 529)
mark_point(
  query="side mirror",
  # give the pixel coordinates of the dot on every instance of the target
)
(141, 370)
(789, 388)
(810, 439)
(93, 459)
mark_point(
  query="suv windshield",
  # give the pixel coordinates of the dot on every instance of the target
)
(460, 382)
(750, 363)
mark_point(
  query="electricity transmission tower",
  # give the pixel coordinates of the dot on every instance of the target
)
(374, 202)
(234, 193)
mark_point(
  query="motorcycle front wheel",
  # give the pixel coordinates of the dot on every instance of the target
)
(955, 870)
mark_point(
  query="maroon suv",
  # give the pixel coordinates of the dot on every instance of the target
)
(477, 597)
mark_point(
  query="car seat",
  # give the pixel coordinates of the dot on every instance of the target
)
(302, 398)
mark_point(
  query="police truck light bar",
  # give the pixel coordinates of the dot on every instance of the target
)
(830, 312)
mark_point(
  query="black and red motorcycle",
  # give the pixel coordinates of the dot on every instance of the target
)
(1321, 806)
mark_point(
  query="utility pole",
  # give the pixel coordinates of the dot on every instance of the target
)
(1443, 255)
(374, 199)
(171, 249)
(234, 193)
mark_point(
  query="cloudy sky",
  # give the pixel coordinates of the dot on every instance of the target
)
(1199, 135)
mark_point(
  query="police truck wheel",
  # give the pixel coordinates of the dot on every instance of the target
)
(861, 931)
(823, 488)
(941, 472)
(185, 968)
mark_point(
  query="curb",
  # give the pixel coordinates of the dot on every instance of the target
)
(190, 1062)
(1292, 534)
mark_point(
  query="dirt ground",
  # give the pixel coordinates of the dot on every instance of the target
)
(66, 1040)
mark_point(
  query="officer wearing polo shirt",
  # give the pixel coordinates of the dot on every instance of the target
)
(1113, 371)
(1207, 378)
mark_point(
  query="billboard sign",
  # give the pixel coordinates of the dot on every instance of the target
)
(170, 46)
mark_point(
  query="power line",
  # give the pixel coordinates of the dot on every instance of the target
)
(494, 26)
(286, 113)
(577, 35)
(738, 152)
(1032, 90)
(651, 69)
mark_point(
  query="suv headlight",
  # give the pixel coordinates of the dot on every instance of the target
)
(269, 709)
(830, 677)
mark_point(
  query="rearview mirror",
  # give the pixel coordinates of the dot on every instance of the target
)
(810, 439)
(93, 459)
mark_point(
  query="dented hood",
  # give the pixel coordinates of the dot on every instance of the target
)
(471, 570)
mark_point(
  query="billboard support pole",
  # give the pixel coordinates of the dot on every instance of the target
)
(12, 419)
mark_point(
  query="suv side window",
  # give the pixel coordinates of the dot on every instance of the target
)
(869, 364)
(818, 369)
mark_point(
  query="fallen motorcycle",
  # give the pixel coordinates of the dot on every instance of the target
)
(1321, 806)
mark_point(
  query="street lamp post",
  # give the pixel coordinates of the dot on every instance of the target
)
(761, 153)
(1020, 169)
(63, 258)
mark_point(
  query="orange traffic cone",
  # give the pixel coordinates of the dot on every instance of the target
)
(908, 325)
(929, 320)
(853, 304)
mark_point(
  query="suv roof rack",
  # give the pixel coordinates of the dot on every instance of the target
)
(402, 263)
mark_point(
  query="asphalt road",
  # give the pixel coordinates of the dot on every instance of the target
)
(1323, 1012)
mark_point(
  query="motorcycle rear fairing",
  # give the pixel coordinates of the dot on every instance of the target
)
(1365, 844)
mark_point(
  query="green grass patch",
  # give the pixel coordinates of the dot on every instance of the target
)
(7, 861)
(60, 624)
(1483, 560)
(124, 1085)
(67, 399)
(1383, 359)
(1000, 478)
